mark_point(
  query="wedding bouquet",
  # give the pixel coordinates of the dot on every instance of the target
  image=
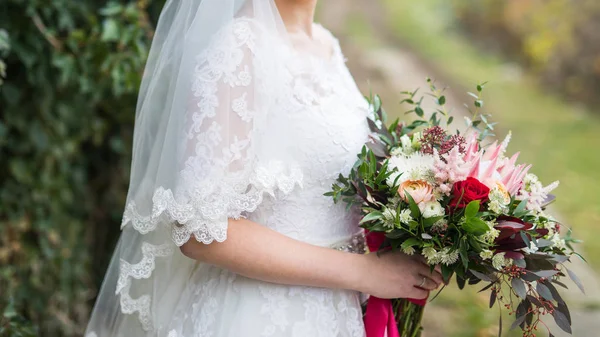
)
(462, 205)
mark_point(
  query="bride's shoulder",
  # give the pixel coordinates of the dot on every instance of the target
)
(325, 34)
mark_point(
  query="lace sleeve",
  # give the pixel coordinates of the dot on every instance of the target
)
(222, 174)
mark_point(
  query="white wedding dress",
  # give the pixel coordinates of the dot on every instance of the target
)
(324, 117)
(329, 115)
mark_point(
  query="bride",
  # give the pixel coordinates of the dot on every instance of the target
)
(246, 116)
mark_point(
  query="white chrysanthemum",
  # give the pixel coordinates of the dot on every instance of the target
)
(448, 256)
(430, 254)
(499, 261)
(405, 216)
(408, 250)
(486, 254)
(431, 209)
(531, 249)
(417, 166)
(389, 216)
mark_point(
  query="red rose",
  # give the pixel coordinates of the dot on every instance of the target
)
(465, 191)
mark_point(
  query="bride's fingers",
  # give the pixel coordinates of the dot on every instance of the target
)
(427, 283)
(435, 276)
(418, 293)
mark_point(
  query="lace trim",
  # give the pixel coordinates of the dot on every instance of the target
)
(140, 304)
(140, 270)
(144, 268)
(205, 216)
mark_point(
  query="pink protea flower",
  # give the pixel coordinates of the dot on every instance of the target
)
(491, 167)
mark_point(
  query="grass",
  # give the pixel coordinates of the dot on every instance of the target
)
(560, 139)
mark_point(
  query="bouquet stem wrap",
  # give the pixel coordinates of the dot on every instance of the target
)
(392, 318)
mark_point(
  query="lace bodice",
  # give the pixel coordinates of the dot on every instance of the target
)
(230, 158)
(329, 117)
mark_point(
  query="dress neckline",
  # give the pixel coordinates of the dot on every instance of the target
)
(334, 54)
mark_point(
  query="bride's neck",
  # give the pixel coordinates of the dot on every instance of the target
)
(297, 15)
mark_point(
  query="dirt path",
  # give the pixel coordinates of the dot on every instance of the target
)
(387, 69)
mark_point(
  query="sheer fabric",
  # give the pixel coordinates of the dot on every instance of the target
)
(232, 122)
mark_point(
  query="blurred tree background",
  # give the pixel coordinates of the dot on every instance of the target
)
(559, 40)
(71, 71)
(69, 74)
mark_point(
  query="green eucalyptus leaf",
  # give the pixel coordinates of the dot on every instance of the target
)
(519, 288)
(415, 212)
(372, 216)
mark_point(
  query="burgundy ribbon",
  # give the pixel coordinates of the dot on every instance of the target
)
(379, 317)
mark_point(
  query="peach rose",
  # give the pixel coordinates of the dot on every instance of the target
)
(419, 190)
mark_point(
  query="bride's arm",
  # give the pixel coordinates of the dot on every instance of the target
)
(258, 252)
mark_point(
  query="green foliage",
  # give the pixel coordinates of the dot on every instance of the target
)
(71, 69)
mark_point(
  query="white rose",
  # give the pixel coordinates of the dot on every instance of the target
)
(431, 209)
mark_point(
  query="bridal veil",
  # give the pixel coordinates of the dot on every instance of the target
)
(203, 152)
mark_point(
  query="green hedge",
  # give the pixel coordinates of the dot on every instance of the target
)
(557, 39)
(71, 72)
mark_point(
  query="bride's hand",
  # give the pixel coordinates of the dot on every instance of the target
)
(397, 275)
